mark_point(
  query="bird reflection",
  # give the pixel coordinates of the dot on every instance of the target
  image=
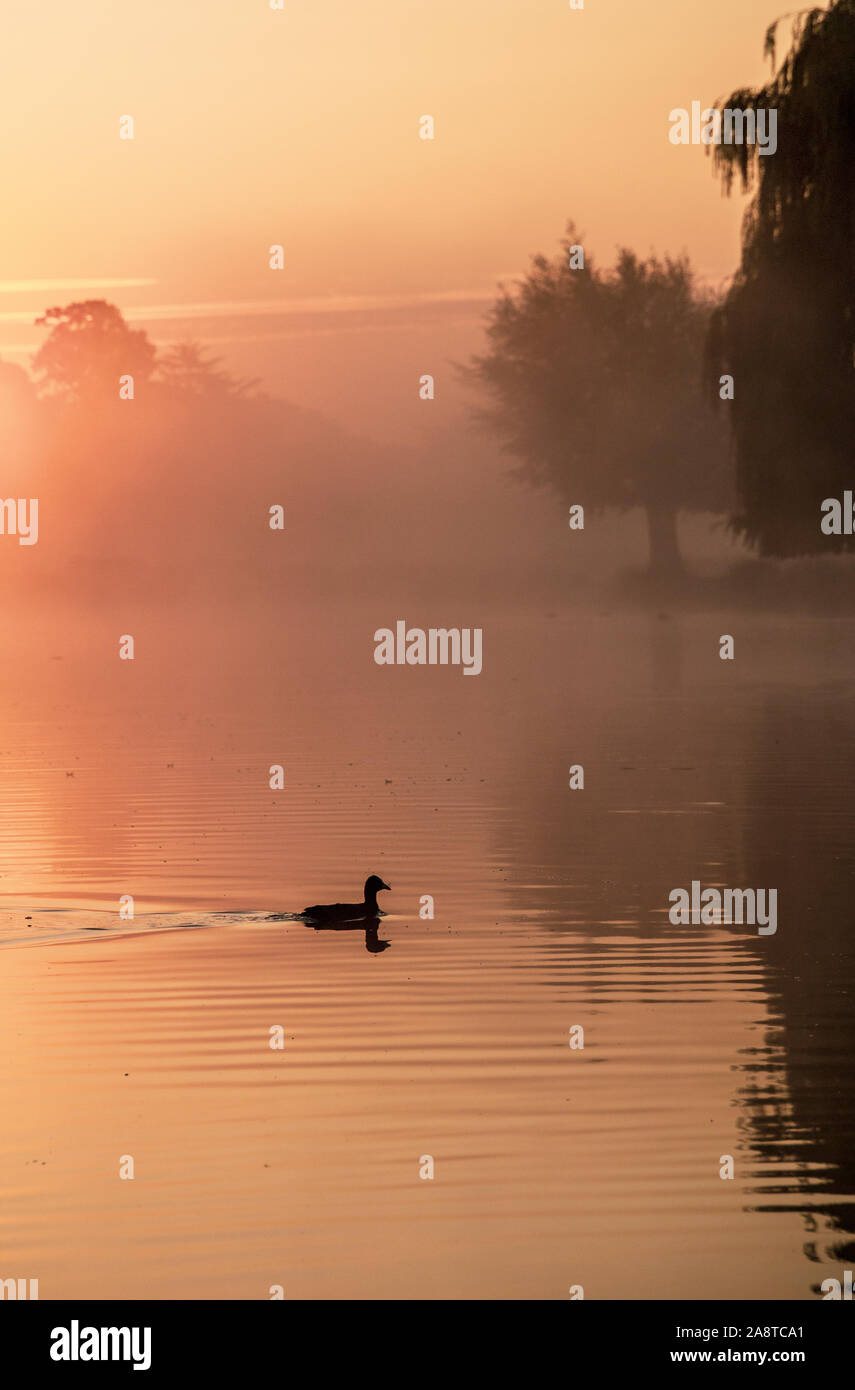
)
(370, 926)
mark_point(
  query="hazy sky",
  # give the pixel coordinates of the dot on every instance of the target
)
(255, 126)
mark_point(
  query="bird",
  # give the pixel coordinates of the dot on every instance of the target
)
(349, 912)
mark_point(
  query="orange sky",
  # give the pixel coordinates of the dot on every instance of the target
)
(256, 126)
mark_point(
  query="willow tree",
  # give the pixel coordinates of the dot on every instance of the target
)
(594, 381)
(786, 328)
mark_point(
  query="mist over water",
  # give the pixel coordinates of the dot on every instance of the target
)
(551, 909)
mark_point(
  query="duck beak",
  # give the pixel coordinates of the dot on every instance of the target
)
(386, 886)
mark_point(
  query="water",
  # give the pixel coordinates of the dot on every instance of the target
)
(300, 1167)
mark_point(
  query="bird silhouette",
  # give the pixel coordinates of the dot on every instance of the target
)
(329, 914)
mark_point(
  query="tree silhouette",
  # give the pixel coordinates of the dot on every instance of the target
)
(88, 348)
(187, 371)
(786, 329)
(595, 383)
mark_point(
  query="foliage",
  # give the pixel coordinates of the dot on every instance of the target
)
(187, 370)
(88, 348)
(594, 381)
(786, 329)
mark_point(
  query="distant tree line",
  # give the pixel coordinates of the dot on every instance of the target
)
(90, 349)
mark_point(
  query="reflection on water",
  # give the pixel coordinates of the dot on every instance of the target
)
(256, 1166)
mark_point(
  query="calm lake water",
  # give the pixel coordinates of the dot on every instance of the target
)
(554, 1167)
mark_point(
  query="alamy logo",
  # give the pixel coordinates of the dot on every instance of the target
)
(13, 519)
(439, 646)
(831, 1287)
(76, 1343)
(838, 516)
(725, 905)
(17, 1288)
(733, 126)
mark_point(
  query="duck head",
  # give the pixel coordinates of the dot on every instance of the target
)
(373, 886)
